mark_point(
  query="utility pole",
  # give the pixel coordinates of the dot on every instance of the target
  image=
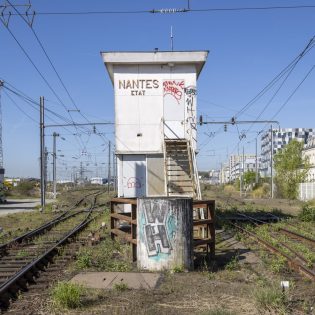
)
(271, 161)
(42, 153)
(46, 177)
(1, 148)
(241, 174)
(55, 135)
(109, 175)
(114, 169)
(81, 172)
(256, 163)
(243, 170)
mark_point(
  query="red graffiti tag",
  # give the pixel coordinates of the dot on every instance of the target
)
(133, 182)
(174, 88)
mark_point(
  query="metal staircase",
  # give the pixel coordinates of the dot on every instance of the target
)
(181, 169)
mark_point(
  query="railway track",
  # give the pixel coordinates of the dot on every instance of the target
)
(43, 228)
(276, 244)
(25, 258)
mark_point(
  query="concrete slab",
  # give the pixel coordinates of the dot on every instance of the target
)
(20, 205)
(108, 280)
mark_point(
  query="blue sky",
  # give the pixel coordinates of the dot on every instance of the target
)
(247, 49)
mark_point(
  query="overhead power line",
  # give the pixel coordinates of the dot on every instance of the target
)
(284, 72)
(294, 91)
(52, 65)
(172, 10)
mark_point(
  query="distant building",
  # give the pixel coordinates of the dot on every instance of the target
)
(309, 151)
(281, 137)
(214, 177)
(97, 181)
(225, 174)
(64, 181)
(236, 165)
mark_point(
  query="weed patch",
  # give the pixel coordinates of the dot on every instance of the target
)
(178, 269)
(218, 311)
(109, 255)
(84, 259)
(120, 286)
(278, 264)
(233, 264)
(271, 299)
(67, 295)
(307, 214)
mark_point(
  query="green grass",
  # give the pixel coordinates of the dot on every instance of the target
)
(178, 269)
(307, 214)
(108, 255)
(278, 264)
(67, 295)
(120, 286)
(218, 311)
(270, 299)
(84, 259)
(233, 264)
(22, 253)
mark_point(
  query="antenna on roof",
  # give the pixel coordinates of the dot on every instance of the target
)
(172, 39)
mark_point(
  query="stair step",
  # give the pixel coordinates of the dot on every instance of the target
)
(181, 191)
(180, 181)
(187, 194)
(183, 176)
(171, 172)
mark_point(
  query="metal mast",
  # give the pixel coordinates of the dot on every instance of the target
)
(1, 150)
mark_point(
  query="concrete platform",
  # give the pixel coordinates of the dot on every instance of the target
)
(108, 280)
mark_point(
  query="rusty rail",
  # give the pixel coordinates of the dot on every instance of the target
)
(298, 236)
(293, 263)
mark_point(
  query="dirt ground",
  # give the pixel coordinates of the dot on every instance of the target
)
(239, 280)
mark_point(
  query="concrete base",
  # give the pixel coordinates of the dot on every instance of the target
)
(108, 280)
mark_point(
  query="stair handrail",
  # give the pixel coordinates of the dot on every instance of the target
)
(195, 169)
(165, 158)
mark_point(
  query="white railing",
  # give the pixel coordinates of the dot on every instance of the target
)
(194, 167)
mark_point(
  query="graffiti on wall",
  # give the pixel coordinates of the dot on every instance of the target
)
(158, 227)
(175, 88)
(134, 182)
(190, 96)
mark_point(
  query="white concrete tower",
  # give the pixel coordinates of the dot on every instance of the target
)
(156, 121)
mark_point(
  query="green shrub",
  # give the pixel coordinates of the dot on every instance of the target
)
(308, 213)
(261, 191)
(26, 188)
(67, 295)
(229, 189)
